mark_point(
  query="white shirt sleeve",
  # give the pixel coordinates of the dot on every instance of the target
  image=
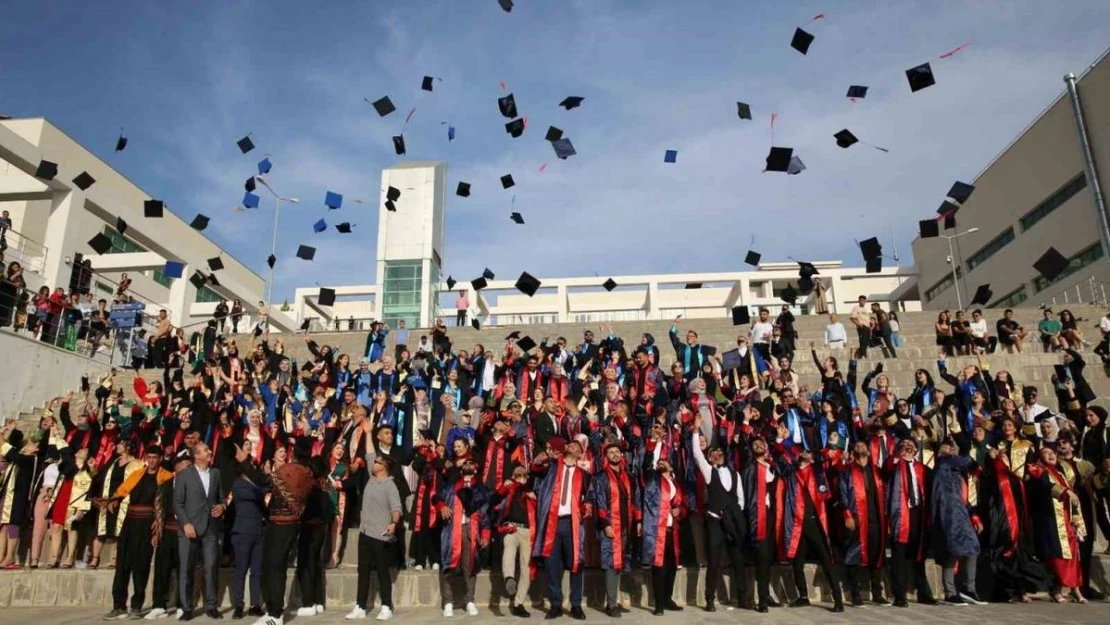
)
(699, 457)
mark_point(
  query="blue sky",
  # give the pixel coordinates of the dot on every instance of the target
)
(188, 79)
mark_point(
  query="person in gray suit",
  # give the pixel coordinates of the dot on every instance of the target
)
(198, 504)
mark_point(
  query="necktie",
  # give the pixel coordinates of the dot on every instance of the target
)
(564, 494)
(915, 497)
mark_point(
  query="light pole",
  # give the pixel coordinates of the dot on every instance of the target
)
(952, 261)
(273, 244)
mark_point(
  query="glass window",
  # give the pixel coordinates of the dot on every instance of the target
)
(942, 286)
(1077, 262)
(1054, 201)
(988, 250)
(161, 278)
(400, 296)
(205, 294)
(120, 243)
(1013, 298)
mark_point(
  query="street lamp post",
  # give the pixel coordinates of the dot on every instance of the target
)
(273, 245)
(952, 261)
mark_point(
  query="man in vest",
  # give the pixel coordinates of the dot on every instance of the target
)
(725, 525)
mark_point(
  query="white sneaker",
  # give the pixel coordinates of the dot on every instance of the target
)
(418, 567)
(435, 567)
(319, 608)
(270, 620)
(306, 611)
(156, 613)
(384, 614)
(355, 614)
(180, 612)
(472, 609)
(448, 611)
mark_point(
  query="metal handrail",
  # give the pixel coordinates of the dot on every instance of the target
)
(30, 254)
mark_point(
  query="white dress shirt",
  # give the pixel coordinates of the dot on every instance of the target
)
(565, 503)
(723, 473)
(205, 478)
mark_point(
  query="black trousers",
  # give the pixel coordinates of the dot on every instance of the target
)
(460, 318)
(132, 563)
(872, 571)
(277, 545)
(165, 563)
(813, 543)
(864, 334)
(662, 577)
(764, 555)
(374, 556)
(424, 547)
(717, 545)
(310, 564)
(903, 553)
(248, 558)
(888, 342)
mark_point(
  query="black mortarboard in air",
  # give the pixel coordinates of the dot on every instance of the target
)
(507, 181)
(928, 228)
(245, 144)
(305, 324)
(212, 280)
(270, 260)
(752, 258)
(46, 170)
(693, 285)
(478, 283)
(553, 134)
(121, 143)
(571, 102)
(306, 252)
(871, 248)
(514, 335)
(527, 284)
(507, 106)
(390, 206)
(83, 180)
(463, 190)
(983, 295)
(426, 85)
(487, 274)
(477, 324)
(845, 138)
(743, 110)
(392, 194)
(121, 225)
(326, 297)
(949, 222)
(779, 159)
(526, 344)
(199, 223)
(198, 279)
(563, 148)
(517, 218)
(948, 208)
(515, 128)
(857, 91)
(344, 228)
(399, 144)
(1051, 264)
(257, 331)
(451, 282)
(920, 77)
(806, 270)
(741, 315)
(506, 5)
(384, 106)
(153, 208)
(801, 41)
(960, 191)
(789, 294)
(215, 264)
(100, 243)
(610, 284)
(250, 185)
(805, 286)
(874, 265)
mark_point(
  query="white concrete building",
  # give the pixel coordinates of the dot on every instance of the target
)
(53, 221)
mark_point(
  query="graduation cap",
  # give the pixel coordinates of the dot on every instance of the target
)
(526, 344)
(153, 208)
(572, 102)
(741, 316)
(553, 134)
(796, 166)
(487, 274)
(319, 226)
(463, 190)
(743, 110)
(507, 181)
(527, 284)
(563, 148)
(326, 297)
(383, 106)
(245, 144)
(304, 324)
(121, 225)
(507, 5)
(789, 294)
(392, 194)
(333, 200)
(264, 166)
(857, 91)
(845, 138)
(610, 284)
(983, 295)
(874, 265)
(250, 185)
(514, 335)
(451, 282)
(390, 206)
(871, 248)
(83, 180)
(960, 191)
(426, 85)
(806, 270)
(270, 260)
(920, 77)
(752, 258)
(478, 283)
(46, 170)
(948, 208)
(173, 269)
(121, 143)
(199, 223)
(517, 218)
(212, 280)
(1051, 264)
(306, 252)
(477, 324)
(928, 228)
(215, 264)
(731, 360)
(450, 133)
(399, 144)
(100, 243)
(343, 228)
(670, 156)
(258, 331)
(779, 159)
(515, 128)
(801, 41)
(197, 279)
(250, 200)
(949, 222)
(693, 285)
(507, 106)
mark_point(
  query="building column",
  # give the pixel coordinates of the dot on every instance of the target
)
(61, 239)
(834, 295)
(426, 293)
(562, 306)
(182, 296)
(651, 306)
(745, 290)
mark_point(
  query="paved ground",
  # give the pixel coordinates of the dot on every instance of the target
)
(1037, 613)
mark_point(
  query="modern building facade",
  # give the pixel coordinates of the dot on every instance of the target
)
(53, 222)
(1040, 192)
